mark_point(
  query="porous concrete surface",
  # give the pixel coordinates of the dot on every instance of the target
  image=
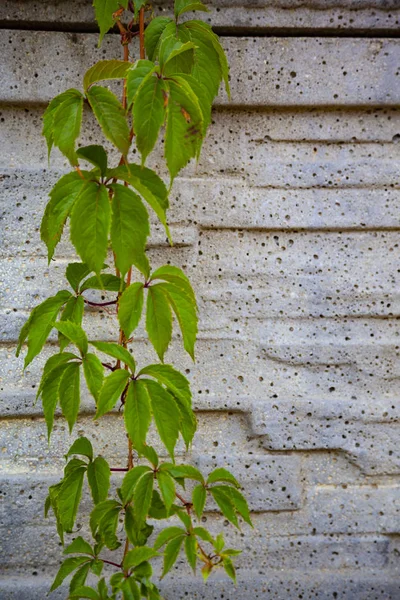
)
(289, 230)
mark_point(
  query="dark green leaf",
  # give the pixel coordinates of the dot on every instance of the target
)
(130, 308)
(67, 125)
(186, 313)
(116, 351)
(112, 389)
(96, 566)
(79, 546)
(171, 554)
(73, 311)
(182, 6)
(168, 534)
(167, 488)
(94, 154)
(104, 521)
(105, 69)
(69, 498)
(69, 391)
(199, 499)
(67, 567)
(135, 76)
(153, 33)
(75, 272)
(190, 550)
(39, 325)
(137, 534)
(130, 589)
(185, 472)
(158, 320)
(74, 333)
(94, 374)
(98, 474)
(166, 414)
(104, 10)
(84, 591)
(221, 474)
(148, 113)
(79, 577)
(175, 56)
(130, 481)
(81, 446)
(137, 413)
(90, 224)
(137, 556)
(111, 116)
(51, 394)
(129, 230)
(104, 281)
(142, 495)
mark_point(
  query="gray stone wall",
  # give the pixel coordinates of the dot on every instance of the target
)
(289, 229)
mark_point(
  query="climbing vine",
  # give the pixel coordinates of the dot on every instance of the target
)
(170, 86)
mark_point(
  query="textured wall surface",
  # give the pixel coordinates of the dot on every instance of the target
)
(289, 229)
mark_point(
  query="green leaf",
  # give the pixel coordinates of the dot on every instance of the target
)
(104, 281)
(79, 546)
(84, 591)
(94, 374)
(225, 504)
(190, 551)
(73, 312)
(157, 508)
(185, 472)
(158, 320)
(105, 69)
(104, 521)
(130, 481)
(167, 488)
(176, 276)
(204, 99)
(98, 475)
(112, 389)
(130, 589)
(69, 498)
(51, 394)
(137, 556)
(96, 566)
(142, 495)
(166, 414)
(137, 535)
(129, 230)
(75, 272)
(151, 455)
(135, 76)
(67, 125)
(186, 313)
(67, 567)
(116, 351)
(90, 224)
(237, 500)
(229, 569)
(137, 414)
(199, 499)
(171, 554)
(130, 306)
(203, 534)
(168, 534)
(153, 33)
(148, 113)
(104, 10)
(49, 115)
(79, 577)
(74, 333)
(175, 56)
(111, 116)
(69, 391)
(182, 6)
(221, 474)
(52, 363)
(81, 446)
(39, 325)
(149, 185)
(184, 131)
(94, 154)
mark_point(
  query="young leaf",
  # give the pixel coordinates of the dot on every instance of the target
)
(167, 488)
(149, 185)
(104, 281)
(116, 351)
(166, 414)
(137, 556)
(105, 69)
(130, 480)
(94, 374)
(199, 500)
(171, 554)
(153, 34)
(158, 320)
(90, 224)
(184, 131)
(112, 389)
(190, 550)
(111, 116)
(221, 474)
(75, 272)
(104, 10)
(168, 534)
(98, 475)
(73, 312)
(135, 76)
(129, 230)
(69, 498)
(79, 546)
(130, 306)
(148, 113)
(67, 567)
(62, 199)
(81, 446)
(137, 413)
(96, 155)
(186, 313)
(39, 325)
(142, 495)
(74, 333)
(229, 568)
(69, 392)
(67, 125)
(182, 6)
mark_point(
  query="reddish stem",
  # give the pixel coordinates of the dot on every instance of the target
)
(100, 303)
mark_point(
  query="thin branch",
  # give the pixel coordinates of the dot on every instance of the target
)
(100, 303)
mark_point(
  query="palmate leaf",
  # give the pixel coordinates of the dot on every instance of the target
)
(106, 69)
(176, 276)
(190, 550)
(168, 534)
(73, 311)
(153, 34)
(142, 496)
(79, 577)
(104, 521)
(41, 321)
(52, 363)
(158, 320)
(167, 488)
(62, 200)
(68, 566)
(185, 311)
(81, 446)
(104, 281)
(166, 414)
(50, 393)
(137, 413)
(222, 474)
(96, 155)
(94, 374)
(175, 56)
(75, 272)
(135, 76)
(69, 392)
(67, 125)
(74, 333)
(111, 390)
(98, 474)
(116, 351)
(79, 546)
(104, 10)
(130, 308)
(171, 554)
(129, 230)
(199, 499)
(90, 225)
(130, 481)
(69, 497)
(111, 116)
(149, 113)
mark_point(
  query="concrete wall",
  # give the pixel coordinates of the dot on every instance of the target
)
(289, 229)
